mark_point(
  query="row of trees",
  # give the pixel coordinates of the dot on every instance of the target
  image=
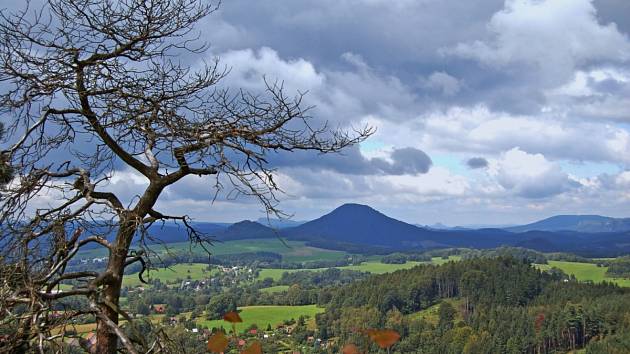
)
(619, 267)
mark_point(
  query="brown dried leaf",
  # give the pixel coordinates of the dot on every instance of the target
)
(254, 348)
(384, 338)
(217, 343)
(232, 317)
(350, 349)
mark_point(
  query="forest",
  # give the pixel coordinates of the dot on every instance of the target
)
(493, 305)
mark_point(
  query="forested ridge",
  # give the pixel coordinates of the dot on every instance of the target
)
(484, 305)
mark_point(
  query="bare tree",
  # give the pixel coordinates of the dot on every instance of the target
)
(6, 171)
(95, 86)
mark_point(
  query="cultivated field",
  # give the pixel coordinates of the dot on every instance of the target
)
(265, 315)
(374, 267)
(275, 289)
(585, 272)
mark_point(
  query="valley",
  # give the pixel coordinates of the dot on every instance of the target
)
(286, 287)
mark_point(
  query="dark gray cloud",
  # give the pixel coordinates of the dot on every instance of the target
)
(404, 161)
(322, 30)
(546, 188)
(615, 11)
(477, 162)
(407, 161)
(419, 35)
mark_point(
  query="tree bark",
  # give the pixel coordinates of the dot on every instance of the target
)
(106, 338)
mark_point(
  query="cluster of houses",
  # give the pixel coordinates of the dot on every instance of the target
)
(280, 331)
(229, 276)
(93, 260)
(197, 285)
(235, 272)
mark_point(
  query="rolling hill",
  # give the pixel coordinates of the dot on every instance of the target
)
(246, 230)
(355, 223)
(578, 223)
(279, 223)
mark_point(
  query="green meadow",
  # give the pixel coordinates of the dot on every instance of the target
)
(275, 289)
(170, 275)
(380, 268)
(585, 272)
(374, 267)
(265, 315)
(370, 267)
(198, 271)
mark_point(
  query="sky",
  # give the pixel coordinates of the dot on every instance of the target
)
(486, 111)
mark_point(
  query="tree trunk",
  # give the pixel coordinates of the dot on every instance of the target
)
(106, 339)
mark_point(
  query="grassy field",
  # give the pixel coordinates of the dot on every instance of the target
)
(380, 268)
(370, 267)
(584, 272)
(276, 274)
(196, 271)
(374, 267)
(266, 315)
(275, 289)
(292, 251)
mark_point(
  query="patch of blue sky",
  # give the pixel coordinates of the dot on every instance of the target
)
(453, 162)
(589, 169)
(371, 146)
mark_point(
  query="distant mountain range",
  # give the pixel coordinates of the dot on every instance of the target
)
(578, 223)
(354, 224)
(355, 228)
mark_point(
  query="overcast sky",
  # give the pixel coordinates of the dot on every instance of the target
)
(487, 111)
